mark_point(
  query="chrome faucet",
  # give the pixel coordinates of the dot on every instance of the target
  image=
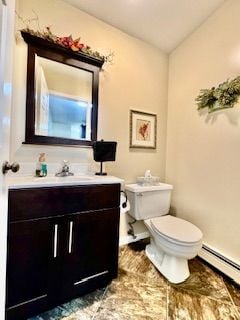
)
(65, 170)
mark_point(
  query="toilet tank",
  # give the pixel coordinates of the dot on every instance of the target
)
(148, 201)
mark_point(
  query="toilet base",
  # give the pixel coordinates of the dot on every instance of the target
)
(173, 268)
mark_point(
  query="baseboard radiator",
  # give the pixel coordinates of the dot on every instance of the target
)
(222, 263)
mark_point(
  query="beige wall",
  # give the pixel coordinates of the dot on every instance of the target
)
(136, 80)
(203, 151)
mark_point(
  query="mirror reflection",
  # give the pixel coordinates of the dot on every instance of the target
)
(63, 100)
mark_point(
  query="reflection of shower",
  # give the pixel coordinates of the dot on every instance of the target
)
(70, 117)
(42, 102)
(83, 130)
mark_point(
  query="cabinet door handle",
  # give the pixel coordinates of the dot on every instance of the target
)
(55, 240)
(70, 237)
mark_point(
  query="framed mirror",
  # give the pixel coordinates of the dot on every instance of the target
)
(62, 94)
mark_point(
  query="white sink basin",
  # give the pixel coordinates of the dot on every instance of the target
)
(62, 179)
(51, 181)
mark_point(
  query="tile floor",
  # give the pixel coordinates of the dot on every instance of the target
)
(141, 293)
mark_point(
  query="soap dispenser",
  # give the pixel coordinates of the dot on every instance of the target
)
(38, 168)
(42, 160)
(41, 168)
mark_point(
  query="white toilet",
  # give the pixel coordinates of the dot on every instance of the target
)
(173, 241)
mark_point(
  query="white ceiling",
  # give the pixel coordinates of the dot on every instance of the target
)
(162, 23)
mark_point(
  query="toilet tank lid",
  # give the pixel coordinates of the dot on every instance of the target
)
(134, 187)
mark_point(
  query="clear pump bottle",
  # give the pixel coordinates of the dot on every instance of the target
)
(41, 167)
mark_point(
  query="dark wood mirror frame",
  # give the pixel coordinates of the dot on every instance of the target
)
(55, 52)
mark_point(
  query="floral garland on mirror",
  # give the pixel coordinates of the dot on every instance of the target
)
(222, 97)
(68, 42)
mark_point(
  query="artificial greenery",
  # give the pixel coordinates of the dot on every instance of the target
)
(222, 97)
(65, 41)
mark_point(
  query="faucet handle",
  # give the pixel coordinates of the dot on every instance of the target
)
(64, 170)
(65, 162)
(65, 166)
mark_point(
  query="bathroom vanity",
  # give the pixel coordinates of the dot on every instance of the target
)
(62, 243)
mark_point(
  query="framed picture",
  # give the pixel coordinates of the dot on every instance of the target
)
(143, 129)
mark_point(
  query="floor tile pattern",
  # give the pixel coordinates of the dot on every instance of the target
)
(141, 293)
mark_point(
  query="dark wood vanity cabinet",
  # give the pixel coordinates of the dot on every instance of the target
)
(62, 243)
(28, 265)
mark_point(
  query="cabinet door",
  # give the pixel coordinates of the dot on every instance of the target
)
(92, 249)
(32, 248)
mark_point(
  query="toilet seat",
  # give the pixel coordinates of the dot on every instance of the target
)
(176, 230)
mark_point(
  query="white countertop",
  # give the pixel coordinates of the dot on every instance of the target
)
(52, 181)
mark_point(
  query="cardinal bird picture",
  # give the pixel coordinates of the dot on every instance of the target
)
(143, 130)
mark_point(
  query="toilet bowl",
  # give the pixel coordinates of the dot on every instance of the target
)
(173, 241)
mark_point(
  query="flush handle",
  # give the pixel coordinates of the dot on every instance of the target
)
(7, 166)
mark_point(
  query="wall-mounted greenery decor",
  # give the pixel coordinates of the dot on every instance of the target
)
(222, 97)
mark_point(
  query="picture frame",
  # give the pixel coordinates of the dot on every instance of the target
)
(143, 129)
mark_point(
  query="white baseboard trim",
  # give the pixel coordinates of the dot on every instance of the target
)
(221, 263)
(129, 239)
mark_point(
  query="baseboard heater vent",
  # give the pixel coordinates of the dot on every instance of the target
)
(221, 257)
(219, 261)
